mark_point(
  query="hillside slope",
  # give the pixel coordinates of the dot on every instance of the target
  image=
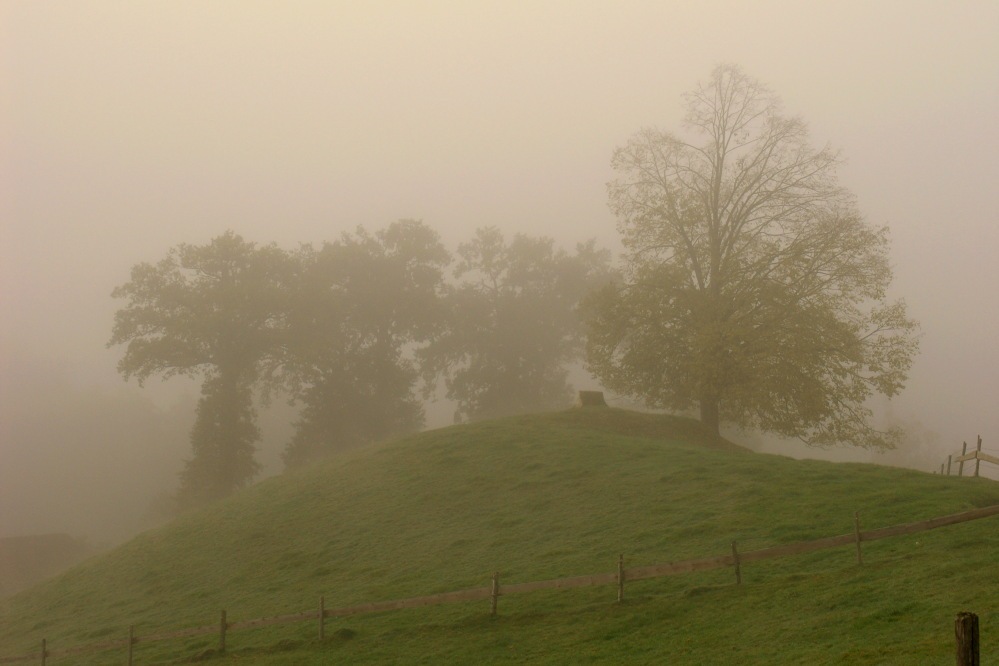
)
(540, 497)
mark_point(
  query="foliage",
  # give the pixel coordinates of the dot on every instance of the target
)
(360, 306)
(513, 324)
(222, 441)
(211, 311)
(753, 289)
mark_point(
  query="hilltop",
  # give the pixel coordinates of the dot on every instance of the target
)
(538, 497)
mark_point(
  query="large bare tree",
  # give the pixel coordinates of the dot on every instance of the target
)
(753, 289)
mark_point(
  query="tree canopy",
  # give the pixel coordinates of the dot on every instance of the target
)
(752, 289)
(359, 309)
(513, 325)
(215, 312)
(336, 327)
(345, 330)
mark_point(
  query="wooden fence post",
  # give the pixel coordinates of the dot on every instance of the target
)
(941, 468)
(966, 633)
(735, 560)
(131, 642)
(978, 461)
(856, 528)
(45, 652)
(960, 467)
(949, 457)
(620, 578)
(322, 618)
(223, 625)
(494, 594)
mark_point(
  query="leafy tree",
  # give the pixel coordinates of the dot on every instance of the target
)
(223, 441)
(753, 289)
(514, 326)
(215, 312)
(361, 306)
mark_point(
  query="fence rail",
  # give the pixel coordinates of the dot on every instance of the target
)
(495, 590)
(977, 455)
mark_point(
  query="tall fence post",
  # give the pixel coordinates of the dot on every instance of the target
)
(738, 569)
(856, 529)
(494, 594)
(964, 450)
(223, 625)
(131, 642)
(620, 578)
(949, 459)
(978, 461)
(45, 652)
(322, 618)
(966, 633)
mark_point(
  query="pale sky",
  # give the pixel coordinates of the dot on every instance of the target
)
(127, 128)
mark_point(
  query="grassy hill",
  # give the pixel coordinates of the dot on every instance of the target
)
(540, 497)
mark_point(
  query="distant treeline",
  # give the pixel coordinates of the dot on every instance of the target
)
(354, 332)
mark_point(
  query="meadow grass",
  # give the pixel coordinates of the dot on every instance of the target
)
(538, 497)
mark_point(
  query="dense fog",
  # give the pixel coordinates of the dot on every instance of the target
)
(130, 128)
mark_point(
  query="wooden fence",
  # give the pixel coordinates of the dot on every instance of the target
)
(977, 455)
(494, 590)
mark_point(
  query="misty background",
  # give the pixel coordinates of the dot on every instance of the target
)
(127, 128)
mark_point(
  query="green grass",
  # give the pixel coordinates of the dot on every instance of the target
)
(539, 497)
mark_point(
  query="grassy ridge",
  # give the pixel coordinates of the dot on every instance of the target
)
(540, 497)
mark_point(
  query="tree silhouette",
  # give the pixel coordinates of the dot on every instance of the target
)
(215, 312)
(753, 290)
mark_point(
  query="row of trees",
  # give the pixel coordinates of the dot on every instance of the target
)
(751, 290)
(348, 330)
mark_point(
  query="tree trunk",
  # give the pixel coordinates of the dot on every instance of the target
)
(709, 415)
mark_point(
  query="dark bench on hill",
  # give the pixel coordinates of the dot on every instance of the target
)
(591, 399)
